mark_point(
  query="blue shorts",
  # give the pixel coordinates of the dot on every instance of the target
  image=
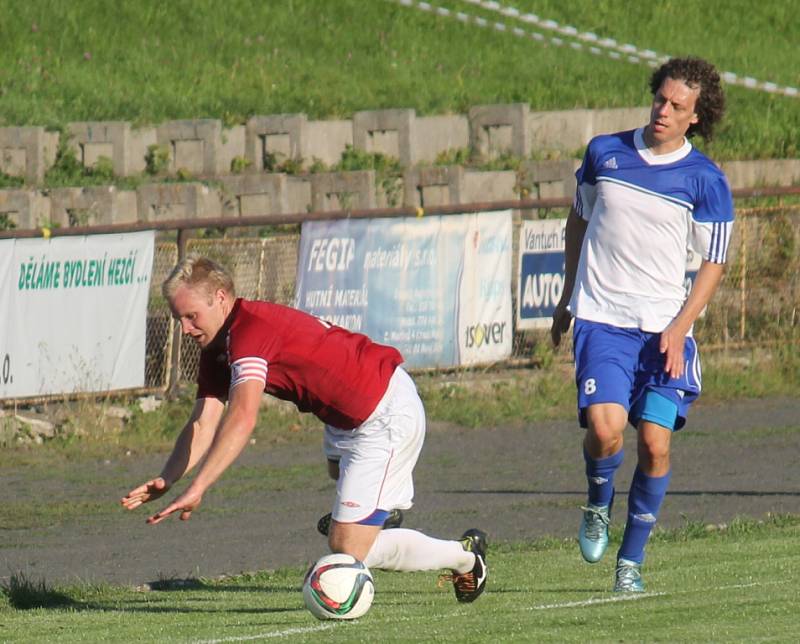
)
(619, 365)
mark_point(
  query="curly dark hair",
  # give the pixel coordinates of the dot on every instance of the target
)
(696, 72)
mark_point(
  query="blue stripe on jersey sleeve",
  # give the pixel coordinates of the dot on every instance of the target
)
(718, 247)
(715, 242)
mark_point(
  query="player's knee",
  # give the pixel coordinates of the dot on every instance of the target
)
(351, 539)
(606, 422)
(653, 453)
(603, 439)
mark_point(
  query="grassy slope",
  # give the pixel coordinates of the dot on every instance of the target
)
(147, 61)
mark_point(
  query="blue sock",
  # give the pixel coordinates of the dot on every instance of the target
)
(600, 475)
(644, 502)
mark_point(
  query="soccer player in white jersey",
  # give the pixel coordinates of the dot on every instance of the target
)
(643, 197)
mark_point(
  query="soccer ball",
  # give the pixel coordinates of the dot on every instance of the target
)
(338, 586)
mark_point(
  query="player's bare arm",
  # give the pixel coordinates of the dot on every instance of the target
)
(229, 441)
(192, 444)
(575, 231)
(195, 439)
(674, 336)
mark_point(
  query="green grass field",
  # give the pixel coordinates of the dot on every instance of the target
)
(148, 61)
(737, 583)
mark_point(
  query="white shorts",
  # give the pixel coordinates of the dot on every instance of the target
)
(377, 458)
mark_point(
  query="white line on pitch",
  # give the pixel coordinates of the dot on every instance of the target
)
(270, 635)
(574, 604)
(591, 602)
(625, 598)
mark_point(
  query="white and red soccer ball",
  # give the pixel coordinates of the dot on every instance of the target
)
(338, 586)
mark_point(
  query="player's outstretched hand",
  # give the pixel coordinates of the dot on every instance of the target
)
(186, 503)
(562, 318)
(153, 489)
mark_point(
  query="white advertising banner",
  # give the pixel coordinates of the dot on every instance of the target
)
(484, 330)
(437, 288)
(73, 313)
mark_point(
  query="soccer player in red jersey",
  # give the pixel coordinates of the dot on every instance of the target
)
(374, 420)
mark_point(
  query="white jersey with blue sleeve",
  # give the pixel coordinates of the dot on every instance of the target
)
(643, 212)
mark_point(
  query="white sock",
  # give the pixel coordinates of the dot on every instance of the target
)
(409, 551)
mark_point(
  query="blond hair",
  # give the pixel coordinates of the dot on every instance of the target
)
(198, 273)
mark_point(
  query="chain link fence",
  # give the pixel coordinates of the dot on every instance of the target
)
(262, 269)
(756, 304)
(159, 320)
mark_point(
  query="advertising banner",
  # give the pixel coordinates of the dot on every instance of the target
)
(541, 271)
(73, 316)
(437, 288)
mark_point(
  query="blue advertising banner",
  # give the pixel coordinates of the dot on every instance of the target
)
(437, 288)
(541, 271)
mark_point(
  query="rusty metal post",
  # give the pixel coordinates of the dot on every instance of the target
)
(743, 315)
(175, 349)
(262, 260)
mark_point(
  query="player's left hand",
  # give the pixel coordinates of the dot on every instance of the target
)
(186, 503)
(671, 344)
(562, 318)
(153, 489)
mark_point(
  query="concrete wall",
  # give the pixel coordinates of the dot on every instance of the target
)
(92, 206)
(293, 137)
(27, 152)
(203, 148)
(433, 186)
(24, 209)
(167, 201)
(495, 130)
(254, 194)
(273, 193)
(769, 172)
(234, 163)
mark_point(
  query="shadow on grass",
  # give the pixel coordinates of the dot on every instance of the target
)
(192, 583)
(205, 610)
(24, 593)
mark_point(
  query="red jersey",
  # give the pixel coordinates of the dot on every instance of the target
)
(337, 375)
